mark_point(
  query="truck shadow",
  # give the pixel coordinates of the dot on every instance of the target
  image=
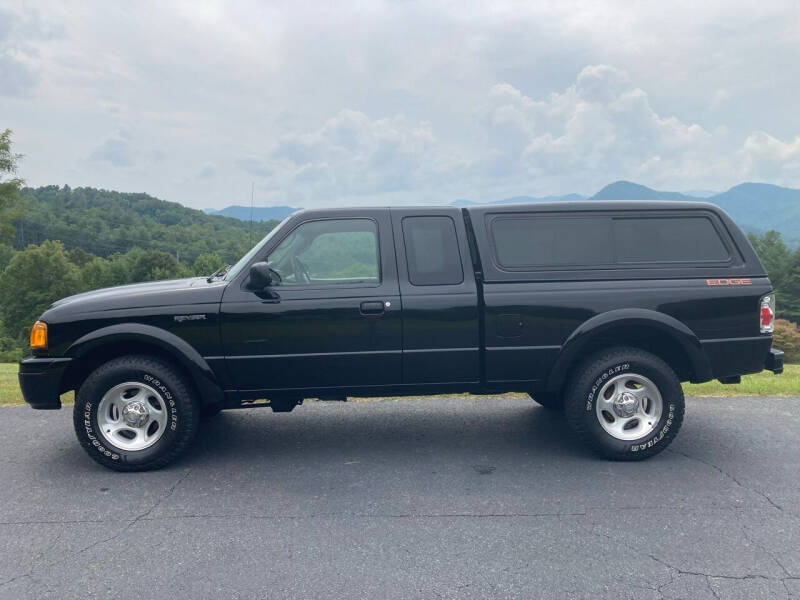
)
(390, 430)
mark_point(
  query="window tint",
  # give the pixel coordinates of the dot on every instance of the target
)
(336, 251)
(541, 241)
(545, 241)
(432, 251)
(685, 239)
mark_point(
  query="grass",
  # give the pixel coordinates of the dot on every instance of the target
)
(761, 384)
(9, 386)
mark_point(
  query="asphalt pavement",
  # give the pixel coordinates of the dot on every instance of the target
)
(455, 498)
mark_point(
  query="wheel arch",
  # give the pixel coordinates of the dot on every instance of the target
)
(649, 330)
(102, 345)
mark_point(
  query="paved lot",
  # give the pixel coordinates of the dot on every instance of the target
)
(458, 498)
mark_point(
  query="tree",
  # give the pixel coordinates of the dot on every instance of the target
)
(774, 254)
(206, 264)
(79, 257)
(97, 273)
(152, 265)
(35, 277)
(105, 223)
(788, 296)
(10, 200)
(6, 254)
(783, 268)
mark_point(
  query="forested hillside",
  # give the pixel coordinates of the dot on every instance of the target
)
(60, 241)
(253, 213)
(104, 223)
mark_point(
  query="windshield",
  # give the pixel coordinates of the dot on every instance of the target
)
(242, 262)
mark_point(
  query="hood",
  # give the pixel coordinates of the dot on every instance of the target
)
(194, 290)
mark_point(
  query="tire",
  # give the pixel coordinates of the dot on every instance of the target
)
(135, 413)
(603, 392)
(549, 400)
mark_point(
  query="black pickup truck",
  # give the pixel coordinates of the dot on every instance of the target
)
(597, 309)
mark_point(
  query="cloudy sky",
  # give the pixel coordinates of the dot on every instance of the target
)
(397, 102)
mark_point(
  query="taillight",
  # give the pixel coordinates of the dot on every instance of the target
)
(767, 314)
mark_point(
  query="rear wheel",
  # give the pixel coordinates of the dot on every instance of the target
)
(135, 413)
(625, 403)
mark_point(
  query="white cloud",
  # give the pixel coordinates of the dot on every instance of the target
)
(599, 129)
(602, 83)
(399, 101)
(720, 97)
(115, 151)
(770, 159)
(353, 156)
(603, 128)
(15, 78)
(207, 171)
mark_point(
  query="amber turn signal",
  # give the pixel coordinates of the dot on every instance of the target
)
(39, 335)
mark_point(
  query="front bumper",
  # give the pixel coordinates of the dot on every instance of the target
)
(40, 381)
(774, 361)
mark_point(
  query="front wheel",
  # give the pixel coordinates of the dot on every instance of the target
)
(135, 413)
(625, 403)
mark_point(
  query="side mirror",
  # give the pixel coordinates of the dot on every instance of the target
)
(260, 276)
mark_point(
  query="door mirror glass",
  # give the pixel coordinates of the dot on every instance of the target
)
(260, 276)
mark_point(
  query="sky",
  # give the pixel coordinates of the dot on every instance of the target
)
(353, 103)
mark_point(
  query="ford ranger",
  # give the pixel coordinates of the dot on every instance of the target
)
(597, 309)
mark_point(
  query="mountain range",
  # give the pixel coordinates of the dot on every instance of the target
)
(259, 213)
(756, 207)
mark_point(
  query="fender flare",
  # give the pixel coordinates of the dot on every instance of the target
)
(636, 317)
(177, 348)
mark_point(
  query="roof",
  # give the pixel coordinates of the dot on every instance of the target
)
(594, 205)
(587, 205)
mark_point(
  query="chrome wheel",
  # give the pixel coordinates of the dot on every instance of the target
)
(629, 406)
(132, 416)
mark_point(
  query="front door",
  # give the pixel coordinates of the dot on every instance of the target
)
(333, 321)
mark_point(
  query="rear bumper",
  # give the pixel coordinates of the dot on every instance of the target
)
(731, 357)
(774, 361)
(40, 381)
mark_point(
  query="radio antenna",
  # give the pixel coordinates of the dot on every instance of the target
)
(252, 196)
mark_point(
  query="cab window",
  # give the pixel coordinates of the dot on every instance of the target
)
(328, 252)
(432, 252)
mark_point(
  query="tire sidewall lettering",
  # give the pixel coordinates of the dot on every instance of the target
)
(598, 383)
(96, 441)
(660, 434)
(156, 383)
(655, 437)
(88, 423)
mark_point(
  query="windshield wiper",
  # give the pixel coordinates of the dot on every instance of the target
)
(218, 273)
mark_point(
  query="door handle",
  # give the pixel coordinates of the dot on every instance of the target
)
(372, 308)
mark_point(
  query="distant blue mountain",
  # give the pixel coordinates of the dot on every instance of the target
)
(260, 213)
(627, 190)
(759, 207)
(756, 207)
(523, 200)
